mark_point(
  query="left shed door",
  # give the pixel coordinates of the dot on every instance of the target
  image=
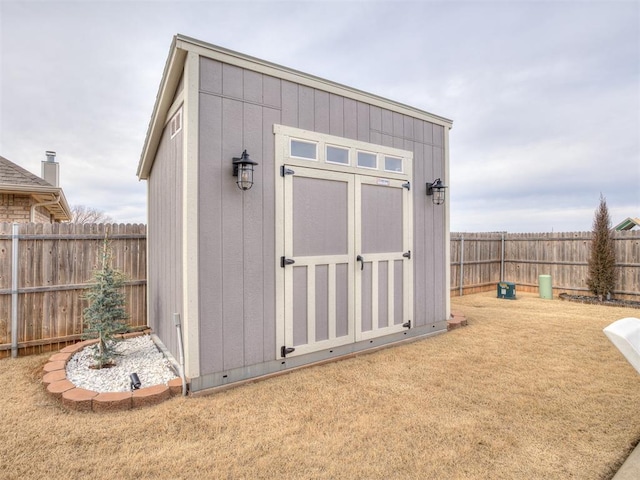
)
(319, 228)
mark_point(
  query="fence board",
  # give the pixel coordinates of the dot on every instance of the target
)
(56, 264)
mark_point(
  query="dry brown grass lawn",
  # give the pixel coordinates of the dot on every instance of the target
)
(531, 389)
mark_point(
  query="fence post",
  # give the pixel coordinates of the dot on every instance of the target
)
(14, 289)
(502, 260)
(461, 264)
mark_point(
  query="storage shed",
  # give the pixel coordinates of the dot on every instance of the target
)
(339, 245)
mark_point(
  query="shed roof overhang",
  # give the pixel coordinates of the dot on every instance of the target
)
(51, 198)
(174, 67)
(628, 224)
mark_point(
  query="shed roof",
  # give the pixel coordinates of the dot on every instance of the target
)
(182, 45)
(16, 180)
(628, 224)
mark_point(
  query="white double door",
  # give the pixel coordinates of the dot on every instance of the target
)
(347, 258)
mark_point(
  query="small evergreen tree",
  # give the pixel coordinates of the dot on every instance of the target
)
(601, 277)
(105, 316)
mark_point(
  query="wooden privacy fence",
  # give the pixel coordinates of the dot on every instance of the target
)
(45, 271)
(480, 260)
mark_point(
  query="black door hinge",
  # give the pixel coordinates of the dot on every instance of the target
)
(407, 185)
(407, 324)
(284, 261)
(284, 351)
(285, 171)
(407, 255)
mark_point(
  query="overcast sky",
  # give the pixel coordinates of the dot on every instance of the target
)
(544, 95)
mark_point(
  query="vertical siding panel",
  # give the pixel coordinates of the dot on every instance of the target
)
(252, 238)
(388, 140)
(364, 122)
(375, 124)
(387, 122)
(306, 103)
(232, 254)
(439, 289)
(321, 111)
(290, 108)
(407, 129)
(418, 130)
(212, 172)
(350, 119)
(271, 94)
(210, 76)
(376, 137)
(375, 118)
(438, 136)
(336, 115)
(428, 133)
(420, 255)
(252, 82)
(429, 234)
(232, 81)
(398, 130)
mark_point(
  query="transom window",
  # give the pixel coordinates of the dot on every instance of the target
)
(301, 147)
(337, 155)
(367, 160)
(392, 164)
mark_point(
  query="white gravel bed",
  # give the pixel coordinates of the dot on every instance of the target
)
(136, 355)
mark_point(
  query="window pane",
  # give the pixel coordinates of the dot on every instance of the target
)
(367, 160)
(392, 164)
(337, 155)
(303, 149)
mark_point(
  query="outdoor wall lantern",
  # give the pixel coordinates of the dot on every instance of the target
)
(243, 169)
(437, 190)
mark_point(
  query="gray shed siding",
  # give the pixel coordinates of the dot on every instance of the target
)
(237, 110)
(165, 231)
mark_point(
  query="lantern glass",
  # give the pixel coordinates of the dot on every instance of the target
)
(245, 177)
(438, 195)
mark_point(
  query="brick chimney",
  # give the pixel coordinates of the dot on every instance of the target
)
(51, 169)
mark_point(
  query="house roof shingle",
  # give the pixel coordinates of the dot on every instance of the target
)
(12, 174)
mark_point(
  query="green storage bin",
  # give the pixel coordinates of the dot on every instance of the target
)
(544, 286)
(507, 290)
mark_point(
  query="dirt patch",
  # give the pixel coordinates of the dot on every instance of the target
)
(613, 302)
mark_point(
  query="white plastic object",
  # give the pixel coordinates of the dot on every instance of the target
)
(625, 335)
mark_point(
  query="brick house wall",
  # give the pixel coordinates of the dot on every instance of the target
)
(17, 208)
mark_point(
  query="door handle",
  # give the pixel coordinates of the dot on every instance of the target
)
(361, 260)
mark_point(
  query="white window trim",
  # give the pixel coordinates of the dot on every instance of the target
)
(341, 147)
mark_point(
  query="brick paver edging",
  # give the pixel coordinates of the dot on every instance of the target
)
(457, 320)
(81, 399)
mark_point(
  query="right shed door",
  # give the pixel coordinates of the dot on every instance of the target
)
(383, 281)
